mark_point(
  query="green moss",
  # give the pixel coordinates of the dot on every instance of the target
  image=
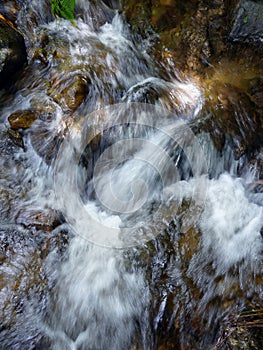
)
(245, 20)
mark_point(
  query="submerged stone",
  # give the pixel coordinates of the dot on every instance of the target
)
(24, 284)
(16, 137)
(72, 93)
(11, 142)
(45, 220)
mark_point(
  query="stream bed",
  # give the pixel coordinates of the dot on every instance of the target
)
(131, 192)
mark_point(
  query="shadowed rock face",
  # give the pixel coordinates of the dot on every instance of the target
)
(248, 22)
(9, 9)
(12, 53)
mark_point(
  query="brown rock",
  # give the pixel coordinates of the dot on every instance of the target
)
(233, 117)
(76, 92)
(16, 137)
(39, 219)
(43, 105)
(69, 93)
(22, 119)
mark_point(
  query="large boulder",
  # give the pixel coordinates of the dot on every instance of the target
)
(12, 52)
(248, 22)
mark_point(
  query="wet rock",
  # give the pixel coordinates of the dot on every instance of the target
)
(16, 137)
(9, 9)
(114, 4)
(12, 53)
(148, 92)
(72, 93)
(256, 94)
(10, 142)
(56, 241)
(45, 140)
(25, 279)
(22, 119)
(67, 82)
(255, 194)
(25, 284)
(248, 22)
(165, 14)
(138, 14)
(232, 119)
(5, 204)
(194, 49)
(49, 49)
(98, 12)
(188, 245)
(19, 251)
(44, 106)
(45, 220)
(177, 316)
(76, 92)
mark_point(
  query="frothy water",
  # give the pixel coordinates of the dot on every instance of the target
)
(231, 224)
(129, 177)
(124, 176)
(97, 302)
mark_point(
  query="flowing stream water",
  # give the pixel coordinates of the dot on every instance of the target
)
(163, 231)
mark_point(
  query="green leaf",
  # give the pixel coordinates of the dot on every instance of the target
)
(63, 8)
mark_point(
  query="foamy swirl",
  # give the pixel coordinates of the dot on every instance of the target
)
(121, 176)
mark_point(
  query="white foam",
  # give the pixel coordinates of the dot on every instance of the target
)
(230, 223)
(98, 296)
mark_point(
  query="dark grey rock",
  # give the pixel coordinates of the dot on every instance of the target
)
(12, 53)
(248, 22)
(9, 9)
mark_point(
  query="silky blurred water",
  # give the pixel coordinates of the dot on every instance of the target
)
(163, 231)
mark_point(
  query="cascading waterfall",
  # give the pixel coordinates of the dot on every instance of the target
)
(97, 302)
(125, 177)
